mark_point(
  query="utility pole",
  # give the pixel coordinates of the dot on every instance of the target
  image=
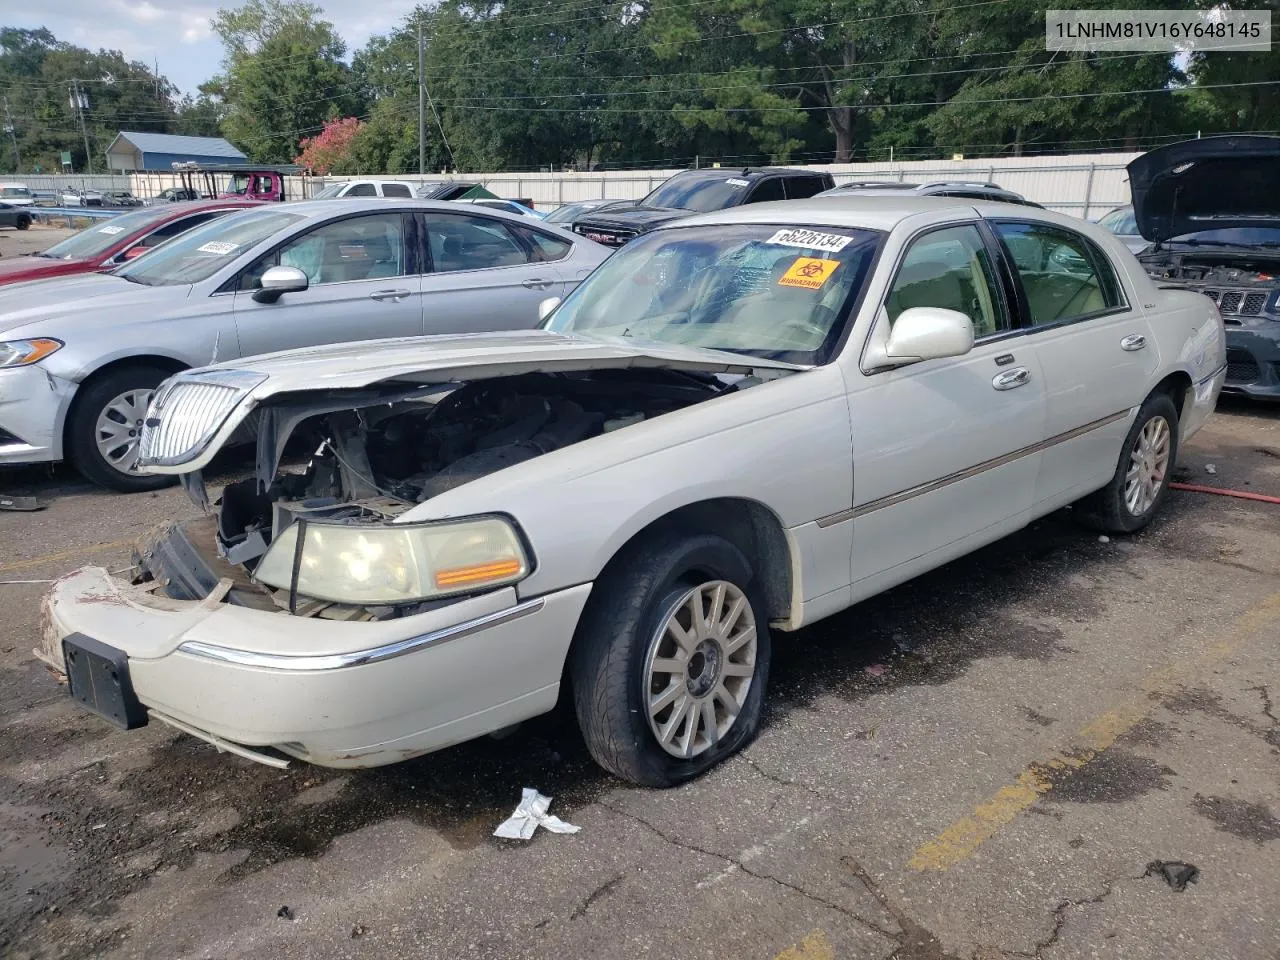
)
(13, 135)
(79, 101)
(422, 115)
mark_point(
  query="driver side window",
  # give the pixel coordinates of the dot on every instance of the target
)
(357, 248)
(950, 268)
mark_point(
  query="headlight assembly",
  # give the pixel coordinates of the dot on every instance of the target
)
(20, 353)
(374, 565)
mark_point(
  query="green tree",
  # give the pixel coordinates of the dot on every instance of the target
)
(283, 76)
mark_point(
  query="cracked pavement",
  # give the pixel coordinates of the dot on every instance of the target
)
(1054, 713)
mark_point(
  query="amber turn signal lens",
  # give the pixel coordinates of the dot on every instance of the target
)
(477, 573)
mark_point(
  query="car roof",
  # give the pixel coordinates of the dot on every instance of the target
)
(328, 209)
(745, 173)
(871, 212)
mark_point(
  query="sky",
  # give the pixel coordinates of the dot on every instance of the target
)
(176, 32)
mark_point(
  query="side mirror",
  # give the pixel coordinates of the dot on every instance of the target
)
(134, 252)
(277, 281)
(929, 333)
(546, 306)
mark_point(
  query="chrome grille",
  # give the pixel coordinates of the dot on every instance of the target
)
(1239, 302)
(187, 412)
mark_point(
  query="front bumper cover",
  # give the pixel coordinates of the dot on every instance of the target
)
(334, 693)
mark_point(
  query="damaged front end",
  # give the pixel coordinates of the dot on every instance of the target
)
(327, 535)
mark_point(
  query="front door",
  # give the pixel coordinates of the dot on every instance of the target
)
(486, 273)
(363, 286)
(945, 451)
(1095, 346)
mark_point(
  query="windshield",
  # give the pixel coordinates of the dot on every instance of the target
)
(239, 184)
(329, 192)
(767, 291)
(1233, 236)
(701, 194)
(202, 252)
(15, 193)
(568, 213)
(102, 236)
(1120, 221)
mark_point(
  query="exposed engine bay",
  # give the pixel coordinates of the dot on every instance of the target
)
(371, 462)
(1241, 282)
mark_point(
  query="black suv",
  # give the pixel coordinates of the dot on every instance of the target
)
(966, 189)
(700, 191)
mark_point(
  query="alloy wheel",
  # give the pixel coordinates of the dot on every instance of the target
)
(1148, 465)
(119, 427)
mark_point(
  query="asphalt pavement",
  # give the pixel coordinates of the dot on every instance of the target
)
(979, 764)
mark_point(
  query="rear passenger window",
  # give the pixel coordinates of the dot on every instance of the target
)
(949, 268)
(544, 248)
(461, 242)
(395, 190)
(361, 190)
(1065, 277)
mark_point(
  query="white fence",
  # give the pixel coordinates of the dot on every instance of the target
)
(1086, 185)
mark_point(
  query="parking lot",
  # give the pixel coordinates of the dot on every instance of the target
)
(979, 764)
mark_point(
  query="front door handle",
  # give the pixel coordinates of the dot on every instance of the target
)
(536, 283)
(1135, 341)
(1009, 379)
(395, 296)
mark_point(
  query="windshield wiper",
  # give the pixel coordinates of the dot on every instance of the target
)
(133, 279)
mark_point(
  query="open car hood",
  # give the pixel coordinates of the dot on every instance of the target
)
(385, 366)
(1207, 184)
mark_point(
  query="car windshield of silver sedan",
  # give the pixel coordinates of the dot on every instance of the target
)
(772, 291)
(202, 252)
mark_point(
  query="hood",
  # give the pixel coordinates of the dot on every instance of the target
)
(475, 356)
(16, 269)
(385, 365)
(1207, 184)
(632, 218)
(88, 299)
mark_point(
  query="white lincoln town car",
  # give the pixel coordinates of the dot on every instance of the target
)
(739, 424)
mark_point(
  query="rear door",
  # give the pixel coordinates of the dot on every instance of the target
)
(766, 190)
(1095, 346)
(364, 284)
(484, 273)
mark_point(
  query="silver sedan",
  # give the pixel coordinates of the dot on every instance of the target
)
(80, 357)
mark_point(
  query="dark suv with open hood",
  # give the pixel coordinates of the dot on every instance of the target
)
(700, 191)
(1211, 210)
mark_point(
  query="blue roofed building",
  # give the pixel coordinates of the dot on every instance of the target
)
(136, 152)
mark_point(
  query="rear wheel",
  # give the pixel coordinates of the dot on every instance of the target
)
(1141, 481)
(671, 660)
(23, 222)
(105, 424)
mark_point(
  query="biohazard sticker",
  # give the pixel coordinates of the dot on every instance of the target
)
(808, 272)
(811, 240)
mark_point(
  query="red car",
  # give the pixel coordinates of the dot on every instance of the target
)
(109, 243)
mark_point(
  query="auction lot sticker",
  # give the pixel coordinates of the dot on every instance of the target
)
(811, 240)
(808, 272)
(219, 247)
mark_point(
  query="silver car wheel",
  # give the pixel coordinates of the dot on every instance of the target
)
(699, 668)
(119, 427)
(1148, 465)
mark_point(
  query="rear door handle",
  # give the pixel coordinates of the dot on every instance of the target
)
(536, 283)
(1134, 341)
(395, 296)
(1010, 379)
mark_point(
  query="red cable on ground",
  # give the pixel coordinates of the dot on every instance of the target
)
(1241, 494)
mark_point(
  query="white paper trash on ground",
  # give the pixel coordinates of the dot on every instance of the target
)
(530, 814)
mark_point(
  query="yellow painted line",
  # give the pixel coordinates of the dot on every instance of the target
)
(69, 554)
(815, 946)
(962, 839)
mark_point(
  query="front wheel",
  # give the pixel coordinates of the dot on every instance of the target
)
(23, 223)
(1141, 481)
(671, 660)
(105, 424)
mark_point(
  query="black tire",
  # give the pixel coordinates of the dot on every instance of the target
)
(23, 223)
(1107, 509)
(80, 441)
(628, 605)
